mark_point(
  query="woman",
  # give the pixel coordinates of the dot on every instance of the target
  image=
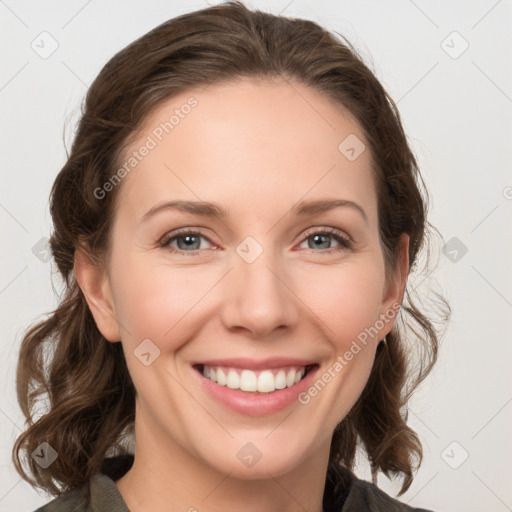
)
(235, 226)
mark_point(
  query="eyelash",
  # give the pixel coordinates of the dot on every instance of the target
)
(344, 242)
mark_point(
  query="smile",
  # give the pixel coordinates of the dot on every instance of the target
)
(265, 381)
(255, 387)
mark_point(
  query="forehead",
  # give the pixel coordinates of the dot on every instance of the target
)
(258, 140)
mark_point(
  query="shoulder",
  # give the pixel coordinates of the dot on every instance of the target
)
(100, 493)
(73, 501)
(366, 496)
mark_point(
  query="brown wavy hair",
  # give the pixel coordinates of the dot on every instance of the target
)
(82, 379)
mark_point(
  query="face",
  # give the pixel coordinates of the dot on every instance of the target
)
(248, 277)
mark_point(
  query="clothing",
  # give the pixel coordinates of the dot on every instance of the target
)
(362, 496)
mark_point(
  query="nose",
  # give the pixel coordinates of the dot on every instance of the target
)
(258, 297)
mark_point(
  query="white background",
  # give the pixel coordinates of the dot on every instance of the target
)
(457, 114)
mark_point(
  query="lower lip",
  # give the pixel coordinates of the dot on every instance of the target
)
(254, 403)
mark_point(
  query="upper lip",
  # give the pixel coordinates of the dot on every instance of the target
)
(253, 364)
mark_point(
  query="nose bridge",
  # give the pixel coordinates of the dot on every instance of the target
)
(259, 299)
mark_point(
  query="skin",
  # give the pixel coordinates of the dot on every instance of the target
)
(256, 149)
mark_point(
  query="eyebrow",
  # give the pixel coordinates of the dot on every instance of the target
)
(207, 209)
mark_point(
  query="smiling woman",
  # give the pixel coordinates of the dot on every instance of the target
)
(236, 301)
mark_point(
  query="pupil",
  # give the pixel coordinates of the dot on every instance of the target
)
(189, 240)
(325, 244)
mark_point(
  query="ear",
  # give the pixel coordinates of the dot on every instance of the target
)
(394, 293)
(95, 286)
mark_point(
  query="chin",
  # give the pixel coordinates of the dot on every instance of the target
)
(255, 460)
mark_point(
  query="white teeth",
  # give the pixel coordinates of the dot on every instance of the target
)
(221, 376)
(265, 381)
(233, 380)
(290, 378)
(280, 379)
(248, 381)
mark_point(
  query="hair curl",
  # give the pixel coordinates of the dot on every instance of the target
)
(65, 359)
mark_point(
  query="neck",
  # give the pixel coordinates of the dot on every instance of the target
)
(164, 476)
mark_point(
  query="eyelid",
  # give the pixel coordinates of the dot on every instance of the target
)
(164, 240)
(328, 231)
(343, 239)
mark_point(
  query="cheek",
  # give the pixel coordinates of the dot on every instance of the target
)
(155, 302)
(346, 299)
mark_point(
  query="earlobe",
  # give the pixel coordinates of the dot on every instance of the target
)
(95, 285)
